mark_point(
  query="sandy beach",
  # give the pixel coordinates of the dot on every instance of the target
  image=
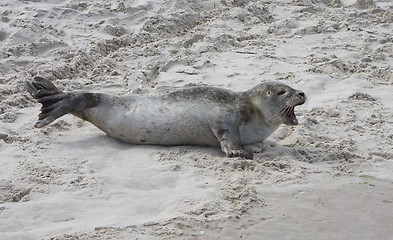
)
(329, 177)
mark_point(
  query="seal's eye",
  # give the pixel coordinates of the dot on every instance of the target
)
(281, 93)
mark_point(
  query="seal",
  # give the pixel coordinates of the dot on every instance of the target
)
(191, 116)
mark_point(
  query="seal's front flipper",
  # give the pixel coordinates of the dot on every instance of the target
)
(229, 139)
(56, 103)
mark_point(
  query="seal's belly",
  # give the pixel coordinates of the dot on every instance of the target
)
(254, 132)
(153, 122)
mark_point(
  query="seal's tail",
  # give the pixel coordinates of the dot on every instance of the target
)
(56, 103)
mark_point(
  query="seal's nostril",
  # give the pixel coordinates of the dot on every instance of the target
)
(301, 94)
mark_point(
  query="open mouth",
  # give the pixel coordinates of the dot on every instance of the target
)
(289, 114)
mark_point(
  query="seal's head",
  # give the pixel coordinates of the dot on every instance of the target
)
(277, 102)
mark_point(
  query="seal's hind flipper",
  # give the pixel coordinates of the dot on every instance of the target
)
(41, 87)
(56, 103)
(50, 97)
